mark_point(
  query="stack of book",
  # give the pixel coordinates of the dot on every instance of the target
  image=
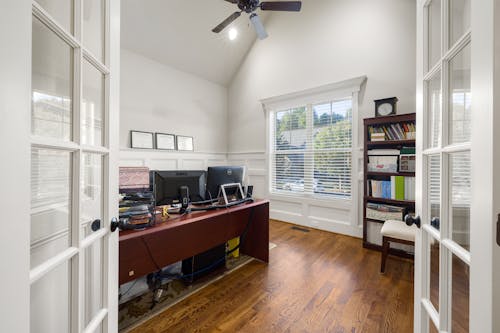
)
(398, 188)
(136, 208)
(397, 131)
(382, 212)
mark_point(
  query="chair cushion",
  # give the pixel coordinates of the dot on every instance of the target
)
(399, 230)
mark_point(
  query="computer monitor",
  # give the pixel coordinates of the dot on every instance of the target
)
(220, 175)
(166, 185)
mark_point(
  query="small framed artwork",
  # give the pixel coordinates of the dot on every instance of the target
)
(141, 140)
(185, 143)
(165, 141)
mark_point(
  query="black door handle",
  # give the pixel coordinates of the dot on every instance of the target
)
(114, 224)
(498, 230)
(435, 222)
(409, 220)
(96, 225)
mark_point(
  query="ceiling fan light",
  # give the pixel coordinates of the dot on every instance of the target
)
(232, 34)
(258, 26)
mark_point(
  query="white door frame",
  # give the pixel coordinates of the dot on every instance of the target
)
(15, 106)
(111, 253)
(485, 160)
(485, 273)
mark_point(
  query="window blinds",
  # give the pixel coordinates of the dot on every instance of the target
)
(311, 149)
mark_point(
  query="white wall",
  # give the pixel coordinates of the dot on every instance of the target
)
(328, 41)
(159, 98)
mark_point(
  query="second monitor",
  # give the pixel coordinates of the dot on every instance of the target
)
(220, 175)
(166, 185)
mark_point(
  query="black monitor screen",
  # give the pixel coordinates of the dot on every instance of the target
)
(221, 175)
(166, 185)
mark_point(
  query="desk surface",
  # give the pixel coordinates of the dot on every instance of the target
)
(186, 219)
(146, 251)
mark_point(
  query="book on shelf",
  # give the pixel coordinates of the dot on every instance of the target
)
(377, 137)
(407, 159)
(383, 212)
(395, 131)
(397, 188)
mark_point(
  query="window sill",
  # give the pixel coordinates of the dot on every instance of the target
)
(329, 202)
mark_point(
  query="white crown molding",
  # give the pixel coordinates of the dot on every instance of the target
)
(327, 92)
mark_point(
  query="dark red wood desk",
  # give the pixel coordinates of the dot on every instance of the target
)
(147, 251)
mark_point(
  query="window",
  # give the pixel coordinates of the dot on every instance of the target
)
(311, 149)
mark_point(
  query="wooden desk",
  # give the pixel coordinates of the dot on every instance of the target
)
(147, 251)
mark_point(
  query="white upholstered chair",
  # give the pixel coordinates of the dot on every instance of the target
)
(395, 232)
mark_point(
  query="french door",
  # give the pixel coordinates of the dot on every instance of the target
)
(454, 266)
(69, 177)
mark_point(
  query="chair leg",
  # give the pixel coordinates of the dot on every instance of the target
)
(385, 253)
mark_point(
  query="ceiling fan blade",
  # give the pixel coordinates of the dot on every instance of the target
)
(226, 22)
(258, 26)
(288, 6)
(232, 1)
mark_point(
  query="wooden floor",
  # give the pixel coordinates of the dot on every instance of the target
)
(315, 282)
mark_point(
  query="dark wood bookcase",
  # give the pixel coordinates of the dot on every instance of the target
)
(370, 175)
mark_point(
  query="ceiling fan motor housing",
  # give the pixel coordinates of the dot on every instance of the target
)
(248, 6)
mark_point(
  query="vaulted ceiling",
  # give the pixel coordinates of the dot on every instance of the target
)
(178, 33)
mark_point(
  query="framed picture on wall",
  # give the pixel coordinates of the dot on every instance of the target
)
(141, 140)
(185, 143)
(165, 141)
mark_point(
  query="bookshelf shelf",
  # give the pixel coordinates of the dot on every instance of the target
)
(375, 221)
(391, 143)
(390, 201)
(409, 205)
(405, 174)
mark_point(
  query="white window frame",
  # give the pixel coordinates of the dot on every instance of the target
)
(330, 92)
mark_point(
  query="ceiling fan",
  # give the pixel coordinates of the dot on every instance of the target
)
(250, 6)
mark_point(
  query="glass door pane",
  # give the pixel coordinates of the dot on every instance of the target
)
(434, 190)
(52, 77)
(50, 203)
(459, 19)
(93, 27)
(434, 111)
(61, 11)
(434, 33)
(460, 296)
(93, 280)
(434, 272)
(460, 97)
(92, 105)
(91, 192)
(50, 299)
(460, 194)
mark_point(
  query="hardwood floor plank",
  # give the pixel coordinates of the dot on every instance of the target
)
(316, 281)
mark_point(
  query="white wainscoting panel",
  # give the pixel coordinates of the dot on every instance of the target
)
(160, 164)
(171, 160)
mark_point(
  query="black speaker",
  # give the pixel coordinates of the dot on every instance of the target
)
(249, 191)
(201, 264)
(184, 192)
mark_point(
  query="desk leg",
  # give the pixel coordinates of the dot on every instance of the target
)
(257, 239)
